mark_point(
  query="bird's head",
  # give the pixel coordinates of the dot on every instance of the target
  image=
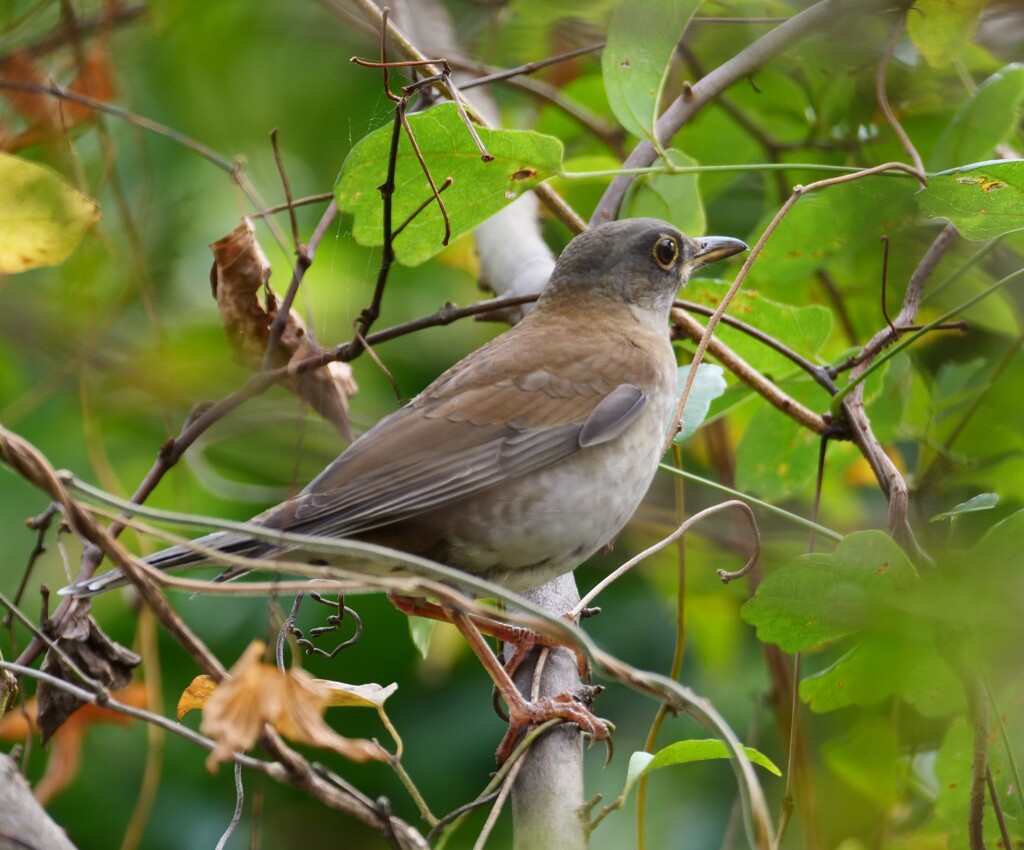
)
(641, 262)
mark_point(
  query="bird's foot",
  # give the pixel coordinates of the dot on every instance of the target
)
(524, 714)
(525, 641)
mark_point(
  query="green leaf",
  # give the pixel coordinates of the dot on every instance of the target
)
(707, 386)
(420, 630)
(820, 598)
(880, 666)
(867, 760)
(983, 122)
(642, 38)
(981, 502)
(668, 196)
(479, 189)
(847, 218)
(684, 752)
(983, 200)
(941, 29)
(1002, 546)
(42, 218)
(776, 457)
(953, 768)
(804, 329)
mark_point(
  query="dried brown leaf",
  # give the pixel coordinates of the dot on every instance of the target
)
(107, 662)
(240, 271)
(255, 694)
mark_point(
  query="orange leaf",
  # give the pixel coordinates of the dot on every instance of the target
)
(195, 695)
(65, 746)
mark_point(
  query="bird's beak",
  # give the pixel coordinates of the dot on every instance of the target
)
(710, 249)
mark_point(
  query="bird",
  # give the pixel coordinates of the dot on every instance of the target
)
(529, 455)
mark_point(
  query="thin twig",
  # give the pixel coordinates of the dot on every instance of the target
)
(237, 816)
(499, 802)
(72, 666)
(85, 26)
(295, 772)
(885, 286)
(768, 389)
(554, 202)
(788, 801)
(977, 712)
(287, 186)
(40, 524)
(685, 526)
(445, 185)
(798, 192)
(817, 373)
(530, 67)
(997, 807)
(851, 399)
(210, 155)
(883, 104)
(298, 202)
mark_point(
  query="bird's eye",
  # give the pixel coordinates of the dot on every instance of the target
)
(666, 252)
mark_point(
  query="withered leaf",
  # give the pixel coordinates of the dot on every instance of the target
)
(255, 694)
(95, 654)
(240, 270)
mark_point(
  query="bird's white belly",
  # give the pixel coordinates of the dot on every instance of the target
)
(529, 530)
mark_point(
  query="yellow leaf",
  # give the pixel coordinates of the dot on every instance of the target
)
(195, 695)
(42, 218)
(369, 695)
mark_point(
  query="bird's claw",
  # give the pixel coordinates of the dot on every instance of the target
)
(564, 707)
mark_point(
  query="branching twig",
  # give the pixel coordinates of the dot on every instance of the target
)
(725, 575)
(886, 472)
(548, 196)
(768, 389)
(743, 64)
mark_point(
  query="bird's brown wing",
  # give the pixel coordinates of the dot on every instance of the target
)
(505, 411)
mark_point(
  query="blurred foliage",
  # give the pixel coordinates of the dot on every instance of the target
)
(103, 357)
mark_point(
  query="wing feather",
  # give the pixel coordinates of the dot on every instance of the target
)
(503, 412)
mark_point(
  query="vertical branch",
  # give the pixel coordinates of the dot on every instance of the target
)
(977, 714)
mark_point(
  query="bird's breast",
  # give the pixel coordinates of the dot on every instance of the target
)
(531, 528)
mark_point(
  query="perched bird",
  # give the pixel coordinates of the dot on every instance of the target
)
(530, 454)
(526, 457)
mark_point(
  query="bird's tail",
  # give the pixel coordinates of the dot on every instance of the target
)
(173, 558)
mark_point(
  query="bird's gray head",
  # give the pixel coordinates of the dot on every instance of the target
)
(638, 261)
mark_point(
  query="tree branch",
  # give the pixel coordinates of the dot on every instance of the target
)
(743, 64)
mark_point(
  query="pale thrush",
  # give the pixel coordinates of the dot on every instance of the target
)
(531, 453)
(524, 458)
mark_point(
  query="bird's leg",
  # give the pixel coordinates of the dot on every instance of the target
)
(523, 639)
(522, 712)
(417, 606)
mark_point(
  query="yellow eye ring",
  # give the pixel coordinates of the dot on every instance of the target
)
(665, 252)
